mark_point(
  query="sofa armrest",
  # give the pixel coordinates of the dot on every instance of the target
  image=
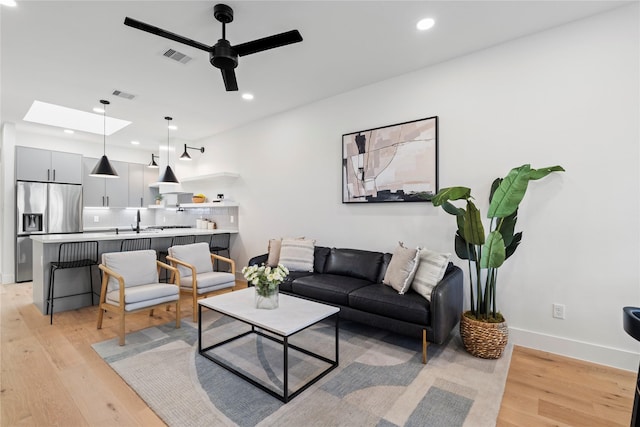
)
(259, 260)
(446, 304)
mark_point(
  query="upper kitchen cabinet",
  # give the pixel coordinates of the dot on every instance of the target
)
(35, 164)
(140, 177)
(107, 192)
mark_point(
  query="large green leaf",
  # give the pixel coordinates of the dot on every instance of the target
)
(473, 231)
(536, 174)
(509, 193)
(462, 248)
(493, 252)
(507, 228)
(494, 186)
(452, 209)
(451, 193)
(511, 248)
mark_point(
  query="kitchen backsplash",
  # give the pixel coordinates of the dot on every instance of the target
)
(224, 217)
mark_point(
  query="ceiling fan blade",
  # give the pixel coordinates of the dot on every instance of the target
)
(266, 43)
(166, 34)
(229, 77)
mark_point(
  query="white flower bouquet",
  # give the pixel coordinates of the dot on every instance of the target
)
(265, 279)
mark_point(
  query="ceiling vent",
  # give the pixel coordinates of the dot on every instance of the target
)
(177, 56)
(124, 95)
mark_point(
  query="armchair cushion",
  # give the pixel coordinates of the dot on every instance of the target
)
(136, 267)
(208, 282)
(196, 254)
(144, 296)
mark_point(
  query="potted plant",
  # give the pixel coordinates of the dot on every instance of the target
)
(483, 328)
(159, 199)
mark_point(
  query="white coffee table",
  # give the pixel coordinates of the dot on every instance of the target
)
(292, 316)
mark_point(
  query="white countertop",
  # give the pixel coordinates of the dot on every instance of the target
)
(111, 235)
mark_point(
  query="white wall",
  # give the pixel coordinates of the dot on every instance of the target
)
(567, 96)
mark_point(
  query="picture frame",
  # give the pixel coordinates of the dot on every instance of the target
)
(395, 163)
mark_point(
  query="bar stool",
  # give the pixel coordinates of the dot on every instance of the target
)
(72, 255)
(140, 244)
(220, 243)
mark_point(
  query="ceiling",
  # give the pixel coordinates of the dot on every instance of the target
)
(76, 52)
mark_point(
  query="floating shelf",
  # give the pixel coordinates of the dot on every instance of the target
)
(217, 175)
(225, 204)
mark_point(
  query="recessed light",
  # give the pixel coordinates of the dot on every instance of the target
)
(69, 131)
(135, 142)
(69, 118)
(173, 127)
(247, 96)
(425, 24)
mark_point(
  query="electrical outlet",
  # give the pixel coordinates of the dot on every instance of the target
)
(96, 218)
(558, 311)
(231, 219)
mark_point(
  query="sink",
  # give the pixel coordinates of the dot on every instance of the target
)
(631, 321)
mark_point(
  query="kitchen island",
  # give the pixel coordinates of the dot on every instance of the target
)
(72, 281)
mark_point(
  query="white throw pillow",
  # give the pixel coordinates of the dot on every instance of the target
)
(297, 254)
(401, 267)
(431, 268)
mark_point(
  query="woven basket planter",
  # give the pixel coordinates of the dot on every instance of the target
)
(482, 339)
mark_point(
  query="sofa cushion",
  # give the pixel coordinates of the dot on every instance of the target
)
(354, 263)
(385, 301)
(330, 288)
(293, 275)
(401, 269)
(297, 254)
(320, 254)
(386, 259)
(431, 268)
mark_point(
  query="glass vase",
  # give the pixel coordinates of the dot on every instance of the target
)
(267, 298)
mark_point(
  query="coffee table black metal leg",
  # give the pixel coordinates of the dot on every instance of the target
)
(337, 340)
(199, 328)
(285, 343)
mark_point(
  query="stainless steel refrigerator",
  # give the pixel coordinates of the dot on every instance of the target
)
(43, 208)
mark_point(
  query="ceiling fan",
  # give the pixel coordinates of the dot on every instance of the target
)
(222, 55)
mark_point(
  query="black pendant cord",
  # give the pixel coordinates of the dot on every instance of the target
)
(104, 103)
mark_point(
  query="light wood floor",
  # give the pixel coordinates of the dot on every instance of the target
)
(51, 376)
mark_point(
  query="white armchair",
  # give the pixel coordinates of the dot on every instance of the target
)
(196, 276)
(130, 284)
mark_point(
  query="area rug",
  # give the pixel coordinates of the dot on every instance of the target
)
(380, 380)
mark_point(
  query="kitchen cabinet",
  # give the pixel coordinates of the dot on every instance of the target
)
(140, 177)
(105, 192)
(35, 164)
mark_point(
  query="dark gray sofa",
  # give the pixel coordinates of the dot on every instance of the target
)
(352, 280)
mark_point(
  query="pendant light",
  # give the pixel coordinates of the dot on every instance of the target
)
(153, 164)
(186, 156)
(168, 177)
(103, 168)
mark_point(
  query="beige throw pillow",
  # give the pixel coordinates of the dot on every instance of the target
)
(274, 252)
(297, 254)
(400, 267)
(431, 268)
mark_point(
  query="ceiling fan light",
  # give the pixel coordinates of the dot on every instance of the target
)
(104, 169)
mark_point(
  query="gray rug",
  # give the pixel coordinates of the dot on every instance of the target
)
(380, 381)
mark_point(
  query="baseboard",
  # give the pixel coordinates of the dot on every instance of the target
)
(614, 357)
(8, 278)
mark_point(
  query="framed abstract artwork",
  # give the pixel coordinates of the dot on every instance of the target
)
(397, 163)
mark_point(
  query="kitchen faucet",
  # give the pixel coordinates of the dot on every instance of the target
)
(138, 222)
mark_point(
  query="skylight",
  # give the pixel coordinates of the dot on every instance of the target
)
(69, 118)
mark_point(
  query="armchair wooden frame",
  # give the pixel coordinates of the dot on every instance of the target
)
(175, 278)
(120, 308)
